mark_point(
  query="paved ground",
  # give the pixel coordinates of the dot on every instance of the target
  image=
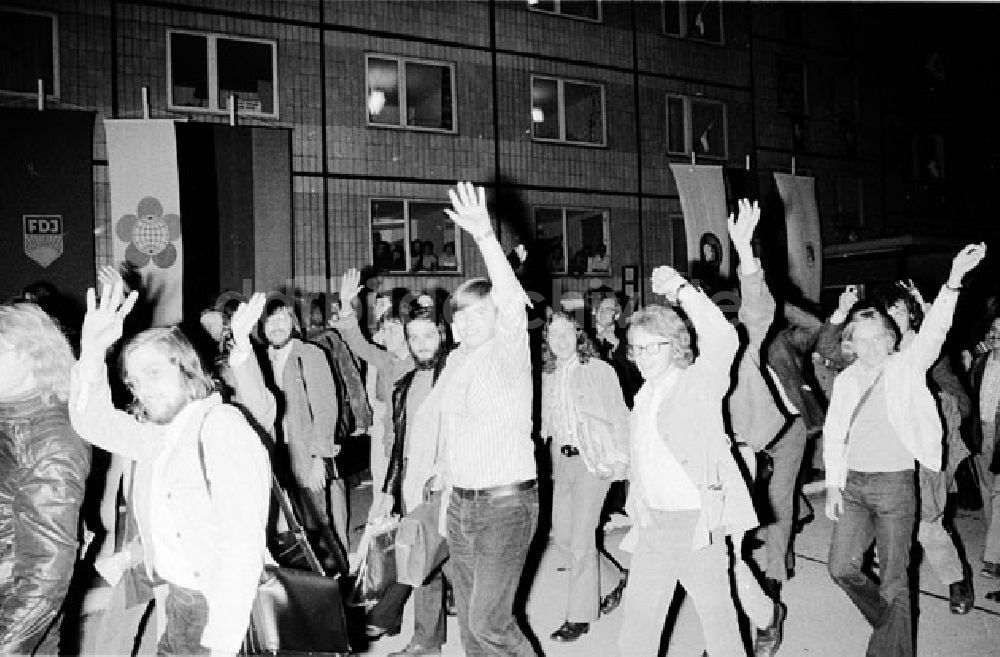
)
(821, 621)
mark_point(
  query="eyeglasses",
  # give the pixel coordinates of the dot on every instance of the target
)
(650, 349)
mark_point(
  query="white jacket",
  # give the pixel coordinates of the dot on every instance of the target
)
(910, 405)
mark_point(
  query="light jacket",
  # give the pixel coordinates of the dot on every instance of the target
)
(910, 405)
(222, 533)
(603, 417)
(690, 422)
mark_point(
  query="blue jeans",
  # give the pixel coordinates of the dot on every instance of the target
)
(488, 538)
(883, 506)
(187, 615)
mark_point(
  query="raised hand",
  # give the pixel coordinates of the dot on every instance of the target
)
(741, 231)
(667, 281)
(964, 262)
(246, 317)
(350, 287)
(848, 298)
(469, 210)
(914, 292)
(107, 276)
(102, 325)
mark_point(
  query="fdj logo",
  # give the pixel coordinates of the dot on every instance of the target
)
(42, 225)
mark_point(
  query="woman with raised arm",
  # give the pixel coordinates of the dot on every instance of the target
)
(687, 492)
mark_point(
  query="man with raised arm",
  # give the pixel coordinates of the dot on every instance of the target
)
(483, 404)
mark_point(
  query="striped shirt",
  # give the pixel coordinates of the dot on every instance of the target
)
(989, 389)
(486, 414)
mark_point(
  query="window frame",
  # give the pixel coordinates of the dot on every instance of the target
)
(561, 104)
(212, 62)
(532, 6)
(564, 210)
(689, 126)
(54, 93)
(459, 266)
(683, 6)
(401, 62)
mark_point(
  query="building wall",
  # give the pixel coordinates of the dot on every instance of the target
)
(853, 135)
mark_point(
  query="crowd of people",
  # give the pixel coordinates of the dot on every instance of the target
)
(693, 425)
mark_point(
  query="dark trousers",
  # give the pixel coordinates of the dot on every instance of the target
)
(187, 615)
(488, 538)
(883, 506)
(429, 613)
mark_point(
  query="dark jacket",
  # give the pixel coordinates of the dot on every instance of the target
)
(617, 357)
(974, 428)
(43, 472)
(397, 459)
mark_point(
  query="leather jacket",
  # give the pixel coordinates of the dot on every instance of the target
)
(397, 459)
(43, 472)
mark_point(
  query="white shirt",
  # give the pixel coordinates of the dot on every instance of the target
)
(989, 390)
(278, 359)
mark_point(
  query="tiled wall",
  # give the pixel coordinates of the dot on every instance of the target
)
(321, 50)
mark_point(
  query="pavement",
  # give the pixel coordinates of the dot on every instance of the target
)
(821, 621)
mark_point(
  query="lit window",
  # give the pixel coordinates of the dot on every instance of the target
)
(29, 51)
(696, 125)
(204, 70)
(414, 236)
(567, 110)
(573, 241)
(410, 93)
(700, 20)
(586, 9)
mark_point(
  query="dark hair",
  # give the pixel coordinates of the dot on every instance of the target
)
(890, 296)
(469, 292)
(864, 312)
(585, 349)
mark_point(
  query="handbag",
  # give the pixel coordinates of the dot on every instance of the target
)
(377, 569)
(420, 548)
(288, 602)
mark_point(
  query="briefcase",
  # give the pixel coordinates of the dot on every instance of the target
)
(420, 548)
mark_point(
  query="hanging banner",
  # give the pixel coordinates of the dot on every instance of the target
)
(805, 241)
(703, 201)
(145, 210)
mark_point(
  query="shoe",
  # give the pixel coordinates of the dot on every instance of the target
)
(769, 639)
(613, 599)
(413, 649)
(991, 570)
(570, 631)
(375, 632)
(960, 597)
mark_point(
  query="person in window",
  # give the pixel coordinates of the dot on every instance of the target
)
(448, 260)
(428, 261)
(398, 259)
(580, 261)
(416, 254)
(585, 417)
(380, 249)
(882, 418)
(599, 263)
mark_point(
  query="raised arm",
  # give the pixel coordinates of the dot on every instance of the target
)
(469, 212)
(349, 329)
(91, 412)
(757, 306)
(717, 339)
(828, 340)
(927, 345)
(247, 380)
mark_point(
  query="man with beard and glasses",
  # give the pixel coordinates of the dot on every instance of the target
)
(202, 480)
(403, 489)
(308, 426)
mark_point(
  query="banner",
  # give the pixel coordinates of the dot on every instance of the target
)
(703, 200)
(145, 210)
(805, 241)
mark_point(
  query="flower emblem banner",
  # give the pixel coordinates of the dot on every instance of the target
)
(145, 210)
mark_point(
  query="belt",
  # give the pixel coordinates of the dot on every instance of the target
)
(495, 491)
(569, 450)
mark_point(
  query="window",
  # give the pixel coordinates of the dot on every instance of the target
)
(700, 20)
(204, 70)
(414, 236)
(410, 93)
(696, 125)
(29, 50)
(567, 110)
(791, 84)
(586, 9)
(573, 241)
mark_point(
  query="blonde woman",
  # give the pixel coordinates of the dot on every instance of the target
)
(686, 491)
(584, 414)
